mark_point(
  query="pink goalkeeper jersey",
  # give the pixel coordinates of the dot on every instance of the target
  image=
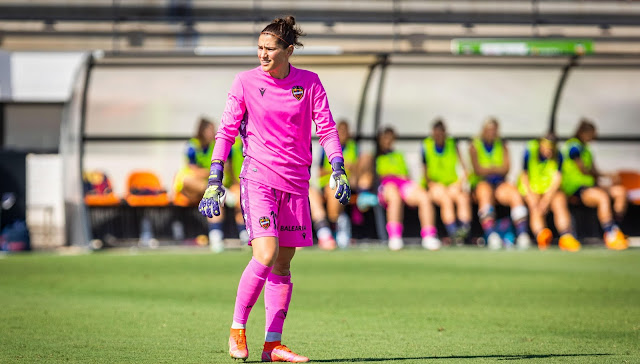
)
(274, 118)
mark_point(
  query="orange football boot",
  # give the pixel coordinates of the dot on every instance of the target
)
(275, 351)
(615, 240)
(569, 243)
(238, 344)
(544, 239)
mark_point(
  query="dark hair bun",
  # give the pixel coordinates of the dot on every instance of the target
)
(286, 30)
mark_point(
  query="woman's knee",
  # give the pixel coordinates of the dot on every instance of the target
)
(282, 264)
(391, 194)
(507, 194)
(281, 268)
(484, 192)
(618, 192)
(265, 250)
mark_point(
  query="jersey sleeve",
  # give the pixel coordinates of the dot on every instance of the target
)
(325, 126)
(525, 162)
(232, 116)
(423, 155)
(574, 152)
(191, 154)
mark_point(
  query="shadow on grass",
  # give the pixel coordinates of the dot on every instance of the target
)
(499, 357)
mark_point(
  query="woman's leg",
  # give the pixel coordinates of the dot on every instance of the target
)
(265, 252)
(613, 237)
(598, 198)
(463, 206)
(418, 197)
(277, 294)
(193, 188)
(337, 216)
(507, 194)
(440, 196)
(561, 215)
(277, 297)
(486, 210)
(395, 206)
(319, 219)
(562, 220)
(619, 196)
(536, 219)
(334, 207)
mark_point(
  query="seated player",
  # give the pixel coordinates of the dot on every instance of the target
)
(236, 158)
(539, 183)
(440, 157)
(192, 179)
(579, 182)
(396, 189)
(490, 161)
(335, 214)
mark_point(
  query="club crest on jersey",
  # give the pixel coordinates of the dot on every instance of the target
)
(265, 222)
(297, 92)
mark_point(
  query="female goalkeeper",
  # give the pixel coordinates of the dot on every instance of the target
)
(273, 107)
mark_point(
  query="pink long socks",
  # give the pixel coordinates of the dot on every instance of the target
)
(277, 296)
(249, 288)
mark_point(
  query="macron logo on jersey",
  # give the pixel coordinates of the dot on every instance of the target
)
(262, 90)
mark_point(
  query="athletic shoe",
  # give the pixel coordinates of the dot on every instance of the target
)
(544, 239)
(216, 242)
(238, 344)
(327, 243)
(460, 236)
(494, 242)
(431, 243)
(569, 243)
(275, 351)
(615, 240)
(396, 243)
(523, 241)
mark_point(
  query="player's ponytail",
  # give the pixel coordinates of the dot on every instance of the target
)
(286, 30)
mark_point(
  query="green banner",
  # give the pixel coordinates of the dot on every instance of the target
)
(522, 47)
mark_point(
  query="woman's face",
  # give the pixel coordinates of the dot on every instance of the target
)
(546, 148)
(343, 132)
(386, 141)
(587, 136)
(273, 58)
(439, 135)
(209, 133)
(490, 133)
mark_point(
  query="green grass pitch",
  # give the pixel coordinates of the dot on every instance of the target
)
(367, 306)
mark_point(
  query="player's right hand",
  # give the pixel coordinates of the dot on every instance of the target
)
(212, 200)
(214, 195)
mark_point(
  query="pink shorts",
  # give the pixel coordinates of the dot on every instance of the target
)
(271, 212)
(403, 184)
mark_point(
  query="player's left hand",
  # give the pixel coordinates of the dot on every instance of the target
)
(339, 181)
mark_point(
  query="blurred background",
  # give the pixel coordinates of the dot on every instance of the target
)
(118, 86)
